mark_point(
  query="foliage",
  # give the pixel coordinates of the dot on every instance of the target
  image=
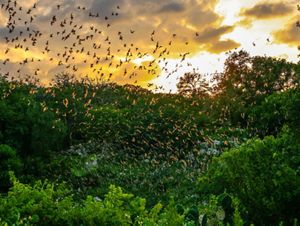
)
(91, 166)
(24, 123)
(255, 77)
(263, 174)
(247, 80)
(159, 129)
(70, 99)
(282, 108)
(44, 204)
(8, 161)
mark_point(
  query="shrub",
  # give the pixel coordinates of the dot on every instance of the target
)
(26, 124)
(8, 161)
(91, 168)
(274, 112)
(46, 204)
(263, 174)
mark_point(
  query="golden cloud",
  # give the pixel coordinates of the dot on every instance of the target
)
(290, 34)
(267, 10)
(223, 46)
(173, 30)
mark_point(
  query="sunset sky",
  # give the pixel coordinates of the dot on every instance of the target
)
(140, 41)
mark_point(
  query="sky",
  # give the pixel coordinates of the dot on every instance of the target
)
(142, 42)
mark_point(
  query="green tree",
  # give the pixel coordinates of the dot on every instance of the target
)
(247, 80)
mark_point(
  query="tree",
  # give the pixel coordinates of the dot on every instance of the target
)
(247, 81)
(193, 85)
(255, 77)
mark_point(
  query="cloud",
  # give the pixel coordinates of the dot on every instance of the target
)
(213, 34)
(173, 7)
(223, 46)
(132, 29)
(290, 34)
(267, 10)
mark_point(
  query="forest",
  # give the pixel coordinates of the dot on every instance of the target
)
(224, 152)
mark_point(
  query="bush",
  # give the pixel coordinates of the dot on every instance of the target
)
(263, 174)
(46, 204)
(27, 124)
(91, 168)
(274, 112)
(8, 161)
(40, 204)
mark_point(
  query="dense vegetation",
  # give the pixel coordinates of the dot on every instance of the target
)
(222, 154)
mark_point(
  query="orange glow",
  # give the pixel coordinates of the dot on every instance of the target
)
(143, 43)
